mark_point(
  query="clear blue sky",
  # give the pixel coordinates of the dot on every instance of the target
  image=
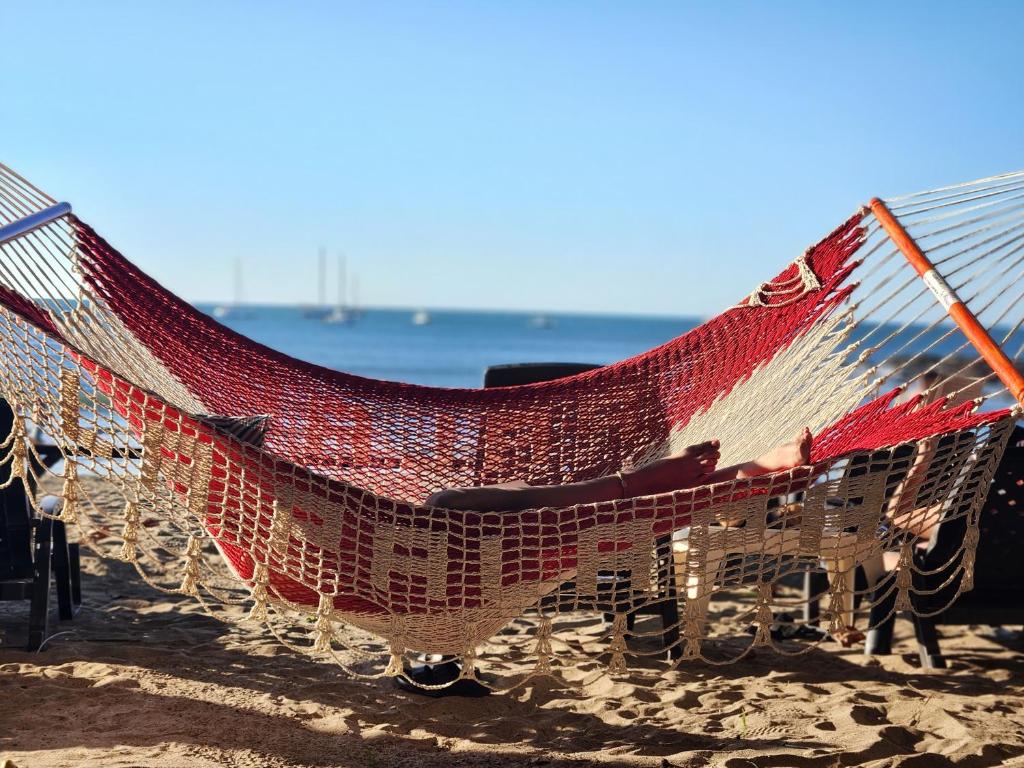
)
(628, 157)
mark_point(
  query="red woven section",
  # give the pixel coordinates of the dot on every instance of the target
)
(880, 423)
(404, 441)
(28, 310)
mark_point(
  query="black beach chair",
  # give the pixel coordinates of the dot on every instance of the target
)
(33, 550)
(997, 598)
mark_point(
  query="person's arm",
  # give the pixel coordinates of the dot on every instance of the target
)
(514, 497)
(681, 471)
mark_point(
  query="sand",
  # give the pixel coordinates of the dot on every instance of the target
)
(140, 679)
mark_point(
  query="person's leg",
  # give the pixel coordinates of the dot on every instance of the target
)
(692, 467)
(683, 470)
(788, 455)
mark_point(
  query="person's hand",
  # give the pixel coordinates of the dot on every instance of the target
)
(682, 470)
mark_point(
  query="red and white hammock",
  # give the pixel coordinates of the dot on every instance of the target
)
(327, 519)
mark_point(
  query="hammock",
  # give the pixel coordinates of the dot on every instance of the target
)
(322, 529)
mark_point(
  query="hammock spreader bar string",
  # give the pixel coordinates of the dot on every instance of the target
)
(987, 347)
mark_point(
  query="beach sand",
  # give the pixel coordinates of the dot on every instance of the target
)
(142, 679)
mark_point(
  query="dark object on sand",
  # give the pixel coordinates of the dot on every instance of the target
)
(435, 671)
(997, 598)
(31, 549)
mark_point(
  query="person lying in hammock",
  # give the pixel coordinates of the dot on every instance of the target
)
(693, 466)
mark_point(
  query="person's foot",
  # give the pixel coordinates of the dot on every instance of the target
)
(794, 453)
(684, 469)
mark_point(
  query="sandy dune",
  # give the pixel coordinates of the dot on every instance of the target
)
(141, 680)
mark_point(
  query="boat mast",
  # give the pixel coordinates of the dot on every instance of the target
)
(341, 282)
(321, 286)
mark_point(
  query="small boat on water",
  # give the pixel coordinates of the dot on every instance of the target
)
(542, 322)
(341, 314)
(234, 310)
(320, 310)
(421, 317)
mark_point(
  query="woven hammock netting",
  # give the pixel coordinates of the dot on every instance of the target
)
(323, 531)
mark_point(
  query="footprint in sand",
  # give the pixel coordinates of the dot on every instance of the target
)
(862, 714)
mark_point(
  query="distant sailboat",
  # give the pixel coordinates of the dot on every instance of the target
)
(542, 322)
(321, 310)
(341, 315)
(421, 317)
(234, 310)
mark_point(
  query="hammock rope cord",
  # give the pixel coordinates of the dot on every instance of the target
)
(325, 524)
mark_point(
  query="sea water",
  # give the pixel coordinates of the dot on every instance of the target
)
(451, 348)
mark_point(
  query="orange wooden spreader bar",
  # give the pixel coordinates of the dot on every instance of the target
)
(975, 332)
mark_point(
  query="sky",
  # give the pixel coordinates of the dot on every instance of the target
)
(630, 157)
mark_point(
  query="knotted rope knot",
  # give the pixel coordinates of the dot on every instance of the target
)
(279, 530)
(190, 578)
(970, 552)
(808, 281)
(692, 631)
(807, 277)
(396, 646)
(131, 531)
(69, 406)
(543, 650)
(764, 618)
(69, 492)
(260, 578)
(324, 630)
(617, 665)
(468, 671)
(19, 451)
(836, 603)
(396, 660)
(904, 578)
(37, 411)
(152, 439)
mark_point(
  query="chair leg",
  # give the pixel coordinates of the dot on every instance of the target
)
(815, 583)
(881, 621)
(670, 619)
(928, 642)
(40, 607)
(62, 571)
(668, 609)
(925, 626)
(75, 564)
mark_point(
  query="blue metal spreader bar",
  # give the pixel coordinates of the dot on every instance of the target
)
(33, 222)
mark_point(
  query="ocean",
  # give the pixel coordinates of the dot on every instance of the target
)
(453, 348)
